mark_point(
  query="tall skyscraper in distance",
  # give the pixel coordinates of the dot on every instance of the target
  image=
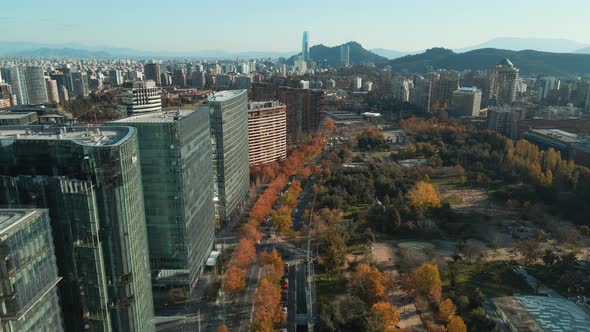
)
(305, 47)
(177, 176)
(229, 140)
(81, 84)
(502, 82)
(17, 79)
(152, 72)
(36, 86)
(52, 93)
(345, 55)
(28, 271)
(90, 181)
(115, 77)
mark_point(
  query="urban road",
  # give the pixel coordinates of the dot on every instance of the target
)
(237, 312)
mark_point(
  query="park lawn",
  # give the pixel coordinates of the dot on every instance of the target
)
(329, 287)
(354, 209)
(494, 279)
(452, 200)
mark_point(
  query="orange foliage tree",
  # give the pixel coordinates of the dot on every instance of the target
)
(234, 281)
(267, 306)
(368, 283)
(281, 218)
(426, 277)
(423, 195)
(272, 265)
(245, 253)
(250, 232)
(385, 315)
(446, 310)
(222, 328)
(456, 324)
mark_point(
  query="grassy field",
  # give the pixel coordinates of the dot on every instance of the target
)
(492, 278)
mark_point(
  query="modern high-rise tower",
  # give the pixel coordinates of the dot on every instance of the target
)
(177, 173)
(152, 72)
(229, 141)
(90, 181)
(502, 82)
(305, 47)
(267, 131)
(28, 272)
(345, 55)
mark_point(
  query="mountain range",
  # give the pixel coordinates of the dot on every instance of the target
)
(74, 50)
(507, 43)
(574, 62)
(528, 61)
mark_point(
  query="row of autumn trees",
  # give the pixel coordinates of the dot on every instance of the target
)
(553, 180)
(267, 298)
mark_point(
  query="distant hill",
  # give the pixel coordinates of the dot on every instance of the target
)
(331, 55)
(74, 50)
(529, 62)
(585, 50)
(557, 45)
(64, 52)
(390, 54)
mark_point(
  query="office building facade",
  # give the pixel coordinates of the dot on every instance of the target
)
(466, 102)
(267, 132)
(177, 173)
(152, 72)
(140, 97)
(90, 181)
(304, 112)
(443, 86)
(229, 141)
(502, 83)
(28, 273)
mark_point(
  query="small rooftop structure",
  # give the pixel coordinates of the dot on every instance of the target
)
(91, 136)
(505, 63)
(468, 89)
(224, 95)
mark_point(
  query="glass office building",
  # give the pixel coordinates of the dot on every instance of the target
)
(229, 140)
(28, 273)
(90, 181)
(175, 158)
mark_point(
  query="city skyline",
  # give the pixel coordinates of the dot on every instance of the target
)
(388, 25)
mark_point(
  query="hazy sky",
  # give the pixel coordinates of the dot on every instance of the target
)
(264, 25)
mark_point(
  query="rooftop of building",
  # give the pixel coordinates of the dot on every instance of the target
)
(557, 134)
(156, 117)
(12, 217)
(505, 63)
(15, 115)
(225, 95)
(254, 105)
(90, 136)
(540, 313)
(39, 108)
(468, 89)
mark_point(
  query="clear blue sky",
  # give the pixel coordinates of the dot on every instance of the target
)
(245, 25)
